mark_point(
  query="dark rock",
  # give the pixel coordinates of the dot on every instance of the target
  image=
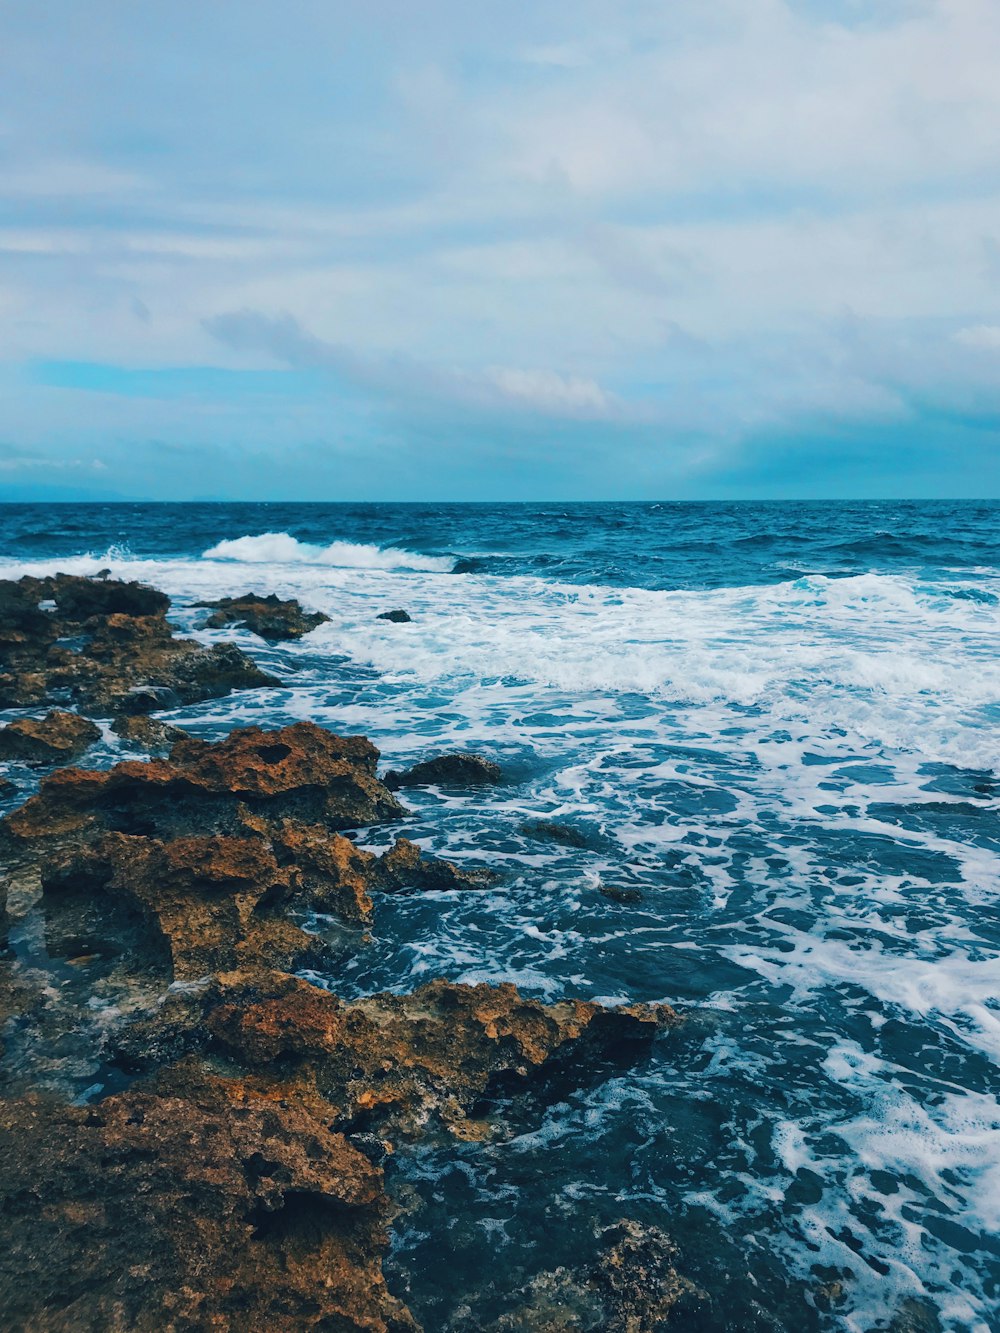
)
(55, 738)
(621, 895)
(548, 830)
(398, 617)
(80, 598)
(269, 617)
(632, 1286)
(193, 1203)
(147, 732)
(447, 770)
(405, 869)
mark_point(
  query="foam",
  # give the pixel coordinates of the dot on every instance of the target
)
(278, 548)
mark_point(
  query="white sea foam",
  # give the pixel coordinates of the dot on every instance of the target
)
(278, 548)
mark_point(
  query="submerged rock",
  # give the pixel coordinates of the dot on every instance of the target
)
(398, 617)
(631, 1286)
(55, 738)
(549, 830)
(447, 770)
(617, 894)
(106, 647)
(198, 1204)
(269, 617)
(146, 732)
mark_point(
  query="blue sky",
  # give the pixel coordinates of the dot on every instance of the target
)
(559, 250)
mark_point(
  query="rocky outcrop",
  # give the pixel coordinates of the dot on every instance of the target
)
(441, 1057)
(245, 785)
(268, 617)
(398, 617)
(55, 738)
(447, 770)
(193, 1203)
(106, 647)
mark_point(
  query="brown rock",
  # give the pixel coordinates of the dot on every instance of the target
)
(447, 770)
(55, 738)
(269, 617)
(549, 830)
(393, 1065)
(240, 785)
(196, 1205)
(106, 646)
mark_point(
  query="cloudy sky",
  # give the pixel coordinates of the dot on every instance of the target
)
(607, 248)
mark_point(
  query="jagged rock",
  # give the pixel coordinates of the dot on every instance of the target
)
(631, 1287)
(548, 830)
(447, 770)
(55, 738)
(106, 647)
(211, 901)
(394, 1065)
(188, 1204)
(239, 786)
(405, 869)
(398, 617)
(269, 617)
(147, 732)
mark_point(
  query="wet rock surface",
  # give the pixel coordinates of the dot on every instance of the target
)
(268, 617)
(447, 770)
(105, 647)
(398, 616)
(55, 738)
(191, 1135)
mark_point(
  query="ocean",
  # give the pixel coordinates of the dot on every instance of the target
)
(777, 728)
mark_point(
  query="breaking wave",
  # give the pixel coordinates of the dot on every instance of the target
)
(280, 548)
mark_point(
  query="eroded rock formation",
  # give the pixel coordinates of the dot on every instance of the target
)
(105, 646)
(268, 617)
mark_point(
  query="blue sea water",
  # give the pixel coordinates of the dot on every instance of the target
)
(780, 724)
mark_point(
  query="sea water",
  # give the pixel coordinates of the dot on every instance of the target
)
(780, 724)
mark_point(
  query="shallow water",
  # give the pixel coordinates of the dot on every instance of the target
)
(780, 724)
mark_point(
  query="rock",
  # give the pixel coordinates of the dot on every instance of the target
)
(106, 647)
(405, 869)
(146, 732)
(55, 738)
(548, 830)
(192, 1203)
(398, 617)
(621, 895)
(269, 617)
(212, 904)
(398, 1065)
(632, 1286)
(244, 785)
(447, 770)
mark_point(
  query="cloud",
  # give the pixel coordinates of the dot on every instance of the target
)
(985, 337)
(405, 379)
(680, 225)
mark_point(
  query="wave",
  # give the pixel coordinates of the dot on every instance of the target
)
(280, 548)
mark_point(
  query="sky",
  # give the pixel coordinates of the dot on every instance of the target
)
(572, 249)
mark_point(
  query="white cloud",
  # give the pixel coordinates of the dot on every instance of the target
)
(984, 337)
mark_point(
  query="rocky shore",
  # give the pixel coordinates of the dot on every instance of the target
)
(231, 1168)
